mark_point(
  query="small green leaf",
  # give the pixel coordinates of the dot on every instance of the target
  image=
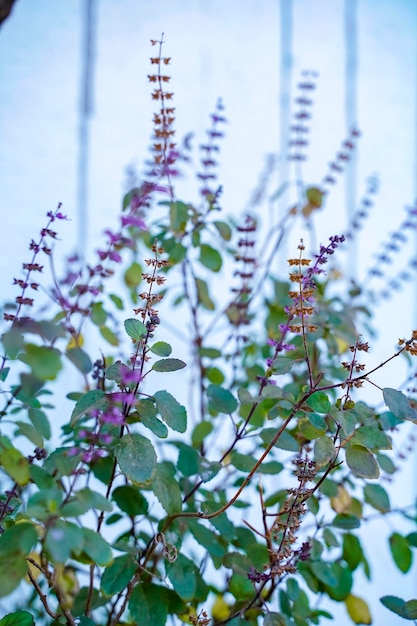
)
(200, 432)
(136, 458)
(346, 521)
(117, 575)
(12, 570)
(362, 462)
(203, 295)
(40, 422)
(44, 362)
(92, 400)
(28, 431)
(281, 365)
(394, 604)
(98, 314)
(323, 572)
(96, 547)
(161, 348)
(3, 375)
(21, 538)
(398, 404)
(410, 609)
(210, 258)
(352, 550)
(135, 329)
(182, 575)
(373, 438)
(117, 301)
(109, 336)
(133, 275)
(401, 552)
(62, 539)
(166, 488)
(386, 464)
(19, 618)
(168, 365)
(178, 217)
(376, 496)
(171, 411)
(222, 400)
(274, 619)
(224, 230)
(80, 359)
(324, 450)
(148, 604)
(319, 402)
(130, 500)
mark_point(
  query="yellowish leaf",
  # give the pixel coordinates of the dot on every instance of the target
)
(358, 610)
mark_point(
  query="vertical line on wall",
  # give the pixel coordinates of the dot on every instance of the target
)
(85, 113)
(351, 114)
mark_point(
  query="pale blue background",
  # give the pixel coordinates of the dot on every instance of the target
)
(227, 48)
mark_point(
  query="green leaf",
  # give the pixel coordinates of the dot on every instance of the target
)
(324, 450)
(4, 371)
(166, 488)
(222, 400)
(171, 411)
(358, 610)
(200, 432)
(90, 401)
(346, 521)
(136, 458)
(161, 348)
(207, 538)
(135, 329)
(19, 618)
(62, 539)
(203, 295)
(44, 362)
(109, 336)
(15, 464)
(352, 551)
(319, 402)
(147, 412)
(178, 217)
(133, 275)
(40, 422)
(310, 430)
(346, 420)
(362, 462)
(376, 496)
(12, 570)
(148, 604)
(21, 538)
(187, 460)
(98, 314)
(118, 302)
(96, 547)
(80, 359)
(210, 258)
(168, 365)
(130, 500)
(398, 404)
(285, 442)
(45, 503)
(412, 539)
(410, 609)
(394, 604)
(373, 438)
(182, 575)
(386, 464)
(401, 552)
(323, 572)
(28, 431)
(274, 619)
(281, 365)
(224, 230)
(117, 575)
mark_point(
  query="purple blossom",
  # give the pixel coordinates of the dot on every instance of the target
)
(113, 415)
(131, 220)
